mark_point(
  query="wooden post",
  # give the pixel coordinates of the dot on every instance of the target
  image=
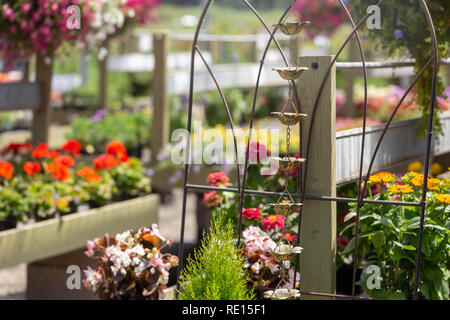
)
(318, 230)
(161, 120)
(42, 115)
(350, 76)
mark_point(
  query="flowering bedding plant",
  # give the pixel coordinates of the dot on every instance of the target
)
(130, 265)
(39, 182)
(389, 236)
(261, 226)
(40, 26)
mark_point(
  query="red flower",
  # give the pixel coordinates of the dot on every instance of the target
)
(53, 154)
(89, 174)
(105, 161)
(58, 171)
(31, 168)
(6, 169)
(271, 222)
(252, 214)
(342, 242)
(211, 199)
(289, 236)
(218, 178)
(16, 147)
(116, 148)
(72, 146)
(65, 160)
(41, 151)
(257, 152)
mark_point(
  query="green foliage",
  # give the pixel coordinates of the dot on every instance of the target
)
(217, 270)
(132, 129)
(390, 236)
(130, 178)
(405, 32)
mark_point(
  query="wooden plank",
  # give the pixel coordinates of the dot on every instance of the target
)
(42, 115)
(318, 232)
(161, 120)
(56, 236)
(19, 95)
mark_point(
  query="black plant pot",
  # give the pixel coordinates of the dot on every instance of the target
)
(344, 278)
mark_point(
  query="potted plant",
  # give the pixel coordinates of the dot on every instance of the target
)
(130, 265)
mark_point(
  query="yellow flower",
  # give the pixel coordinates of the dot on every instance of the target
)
(415, 166)
(443, 198)
(404, 188)
(382, 177)
(436, 169)
(433, 184)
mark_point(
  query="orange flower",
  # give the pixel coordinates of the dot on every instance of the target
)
(53, 154)
(89, 174)
(382, 177)
(65, 160)
(41, 151)
(443, 198)
(211, 199)
(400, 189)
(31, 168)
(72, 146)
(116, 148)
(6, 169)
(105, 161)
(16, 147)
(58, 171)
(432, 183)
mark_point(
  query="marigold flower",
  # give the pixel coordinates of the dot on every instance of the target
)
(31, 168)
(211, 199)
(252, 214)
(105, 161)
(271, 222)
(443, 198)
(6, 169)
(41, 151)
(218, 178)
(432, 183)
(382, 177)
(72, 146)
(401, 189)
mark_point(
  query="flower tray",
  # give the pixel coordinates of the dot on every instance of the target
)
(59, 235)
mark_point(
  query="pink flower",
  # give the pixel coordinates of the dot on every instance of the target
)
(218, 178)
(252, 214)
(289, 236)
(25, 7)
(257, 152)
(272, 222)
(90, 245)
(211, 199)
(8, 13)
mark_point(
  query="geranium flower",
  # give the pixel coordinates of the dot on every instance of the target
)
(52, 154)
(116, 148)
(272, 222)
(257, 152)
(31, 168)
(89, 174)
(382, 177)
(41, 151)
(401, 189)
(252, 214)
(211, 199)
(16, 148)
(217, 179)
(58, 171)
(65, 160)
(72, 146)
(6, 169)
(105, 161)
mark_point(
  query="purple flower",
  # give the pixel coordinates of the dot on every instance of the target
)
(399, 22)
(171, 180)
(398, 34)
(149, 173)
(179, 174)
